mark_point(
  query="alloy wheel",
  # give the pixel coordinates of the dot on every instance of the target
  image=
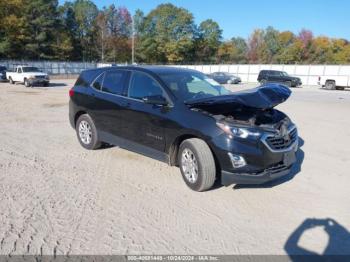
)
(189, 165)
(85, 132)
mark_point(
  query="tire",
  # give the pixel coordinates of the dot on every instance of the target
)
(330, 85)
(288, 83)
(263, 82)
(11, 81)
(203, 164)
(46, 84)
(87, 133)
(26, 83)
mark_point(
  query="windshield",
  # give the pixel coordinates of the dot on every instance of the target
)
(30, 69)
(284, 74)
(192, 85)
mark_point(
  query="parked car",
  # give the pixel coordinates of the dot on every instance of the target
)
(225, 78)
(334, 82)
(28, 75)
(3, 73)
(274, 76)
(180, 117)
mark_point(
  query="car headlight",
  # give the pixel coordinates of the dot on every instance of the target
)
(238, 131)
(31, 77)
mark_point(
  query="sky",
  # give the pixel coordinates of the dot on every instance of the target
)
(241, 17)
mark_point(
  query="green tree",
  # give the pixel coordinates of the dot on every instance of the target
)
(41, 22)
(240, 50)
(208, 41)
(168, 35)
(12, 32)
(85, 12)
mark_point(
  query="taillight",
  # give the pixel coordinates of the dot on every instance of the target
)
(71, 92)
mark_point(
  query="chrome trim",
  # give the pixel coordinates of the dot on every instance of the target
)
(293, 145)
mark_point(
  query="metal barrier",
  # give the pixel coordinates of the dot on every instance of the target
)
(309, 74)
(52, 67)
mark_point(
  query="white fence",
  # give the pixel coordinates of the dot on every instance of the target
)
(309, 74)
(52, 67)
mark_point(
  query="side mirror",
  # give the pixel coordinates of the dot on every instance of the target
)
(155, 100)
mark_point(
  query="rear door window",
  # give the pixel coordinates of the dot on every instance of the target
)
(114, 82)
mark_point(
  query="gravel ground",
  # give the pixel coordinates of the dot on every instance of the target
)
(57, 198)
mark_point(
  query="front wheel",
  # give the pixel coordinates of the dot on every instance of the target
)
(87, 132)
(197, 164)
(330, 85)
(263, 82)
(27, 83)
(288, 83)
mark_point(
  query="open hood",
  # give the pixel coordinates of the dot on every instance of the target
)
(263, 97)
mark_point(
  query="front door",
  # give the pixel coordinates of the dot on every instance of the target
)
(144, 123)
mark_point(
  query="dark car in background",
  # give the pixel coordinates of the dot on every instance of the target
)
(225, 78)
(274, 76)
(3, 73)
(181, 117)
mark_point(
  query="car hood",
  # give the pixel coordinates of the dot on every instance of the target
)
(263, 97)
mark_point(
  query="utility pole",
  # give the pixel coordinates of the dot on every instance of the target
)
(132, 41)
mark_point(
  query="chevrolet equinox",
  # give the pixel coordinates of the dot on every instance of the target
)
(183, 118)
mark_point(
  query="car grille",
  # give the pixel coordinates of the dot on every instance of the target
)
(40, 77)
(278, 143)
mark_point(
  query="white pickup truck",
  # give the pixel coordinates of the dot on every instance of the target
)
(334, 82)
(28, 75)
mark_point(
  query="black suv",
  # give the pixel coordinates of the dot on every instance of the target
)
(181, 117)
(273, 76)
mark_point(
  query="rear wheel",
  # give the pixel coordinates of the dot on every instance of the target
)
(87, 133)
(330, 85)
(197, 164)
(11, 81)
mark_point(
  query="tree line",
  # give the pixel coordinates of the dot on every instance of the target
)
(80, 31)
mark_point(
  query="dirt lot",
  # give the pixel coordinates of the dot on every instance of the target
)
(57, 198)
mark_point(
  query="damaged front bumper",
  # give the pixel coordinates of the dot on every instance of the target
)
(274, 172)
(274, 163)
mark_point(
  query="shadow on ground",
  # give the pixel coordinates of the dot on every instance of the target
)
(338, 241)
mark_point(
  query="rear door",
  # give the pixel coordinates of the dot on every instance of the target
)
(108, 103)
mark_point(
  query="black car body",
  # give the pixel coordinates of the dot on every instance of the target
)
(274, 76)
(3, 73)
(157, 111)
(225, 78)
